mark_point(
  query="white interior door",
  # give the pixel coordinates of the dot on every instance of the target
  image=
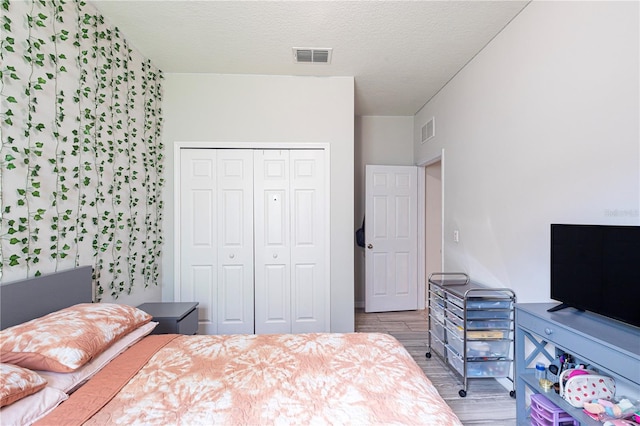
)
(235, 241)
(272, 242)
(216, 238)
(290, 227)
(198, 234)
(308, 223)
(391, 238)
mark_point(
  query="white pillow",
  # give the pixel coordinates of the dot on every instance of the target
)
(32, 408)
(69, 382)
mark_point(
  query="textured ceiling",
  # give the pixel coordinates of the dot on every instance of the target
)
(400, 52)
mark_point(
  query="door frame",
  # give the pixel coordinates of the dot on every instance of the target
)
(251, 145)
(422, 265)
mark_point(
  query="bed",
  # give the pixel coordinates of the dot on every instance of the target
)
(129, 377)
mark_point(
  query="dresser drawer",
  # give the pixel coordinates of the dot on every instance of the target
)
(583, 346)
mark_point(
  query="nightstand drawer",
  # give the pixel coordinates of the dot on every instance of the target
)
(173, 317)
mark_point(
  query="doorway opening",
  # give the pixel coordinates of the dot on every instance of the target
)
(430, 223)
(433, 218)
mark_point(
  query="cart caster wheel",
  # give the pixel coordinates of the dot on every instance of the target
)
(512, 394)
(428, 354)
(462, 393)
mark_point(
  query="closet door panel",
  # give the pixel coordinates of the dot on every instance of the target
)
(201, 281)
(235, 241)
(305, 293)
(308, 222)
(276, 313)
(198, 234)
(272, 242)
(275, 219)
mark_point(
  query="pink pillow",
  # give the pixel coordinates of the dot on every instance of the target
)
(68, 382)
(17, 382)
(65, 340)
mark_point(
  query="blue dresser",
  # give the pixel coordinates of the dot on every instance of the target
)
(611, 347)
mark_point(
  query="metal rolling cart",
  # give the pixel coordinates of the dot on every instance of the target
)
(471, 327)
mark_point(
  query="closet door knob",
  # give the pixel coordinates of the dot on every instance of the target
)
(231, 256)
(275, 255)
(370, 246)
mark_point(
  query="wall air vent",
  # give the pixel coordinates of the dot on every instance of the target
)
(307, 55)
(429, 130)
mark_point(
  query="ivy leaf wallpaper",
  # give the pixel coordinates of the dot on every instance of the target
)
(81, 163)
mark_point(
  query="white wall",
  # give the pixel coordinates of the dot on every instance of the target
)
(378, 140)
(275, 109)
(541, 127)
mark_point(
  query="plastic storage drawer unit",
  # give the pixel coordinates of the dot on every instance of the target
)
(479, 302)
(438, 347)
(475, 324)
(437, 311)
(479, 324)
(486, 349)
(480, 313)
(480, 368)
(438, 331)
(546, 413)
(456, 330)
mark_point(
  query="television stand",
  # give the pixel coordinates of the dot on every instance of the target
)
(562, 306)
(607, 345)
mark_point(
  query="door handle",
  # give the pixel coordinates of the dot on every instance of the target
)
(370, 246)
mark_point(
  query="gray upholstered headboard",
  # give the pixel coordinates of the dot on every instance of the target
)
(31, 298)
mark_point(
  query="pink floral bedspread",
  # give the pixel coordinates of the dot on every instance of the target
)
(358, 378)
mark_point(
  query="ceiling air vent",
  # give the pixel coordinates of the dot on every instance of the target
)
(306, 55)
(429, 130)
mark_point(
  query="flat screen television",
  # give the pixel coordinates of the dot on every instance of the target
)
(597, 268)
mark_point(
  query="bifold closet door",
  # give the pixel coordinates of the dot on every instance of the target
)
(216, 233)
(289, 233)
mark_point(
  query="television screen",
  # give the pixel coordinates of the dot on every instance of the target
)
(597, 268)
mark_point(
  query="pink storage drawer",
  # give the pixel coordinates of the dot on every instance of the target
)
(546, 413)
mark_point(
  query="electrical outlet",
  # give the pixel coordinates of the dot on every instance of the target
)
(456, 236)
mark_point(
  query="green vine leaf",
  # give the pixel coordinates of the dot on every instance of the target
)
(81, 153)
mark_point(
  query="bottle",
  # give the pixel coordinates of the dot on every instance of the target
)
(541, 371)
